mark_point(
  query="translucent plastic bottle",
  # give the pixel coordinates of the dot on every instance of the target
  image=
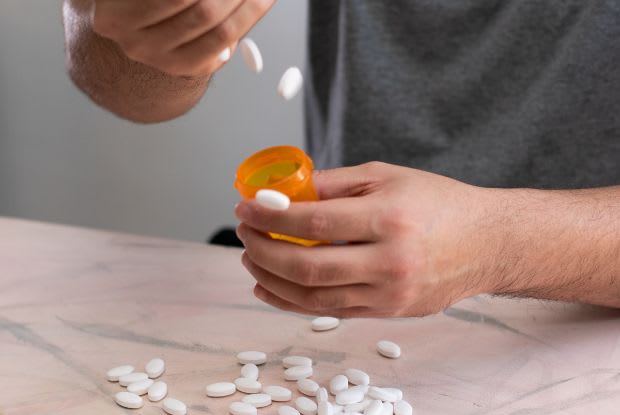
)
(286, 169)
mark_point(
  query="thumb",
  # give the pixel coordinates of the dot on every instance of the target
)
(343, 182)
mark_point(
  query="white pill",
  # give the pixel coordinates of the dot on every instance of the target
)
(338, 409)
(307, 387)
(224, 55)
(246, 385)
(388, 409)
(382, 394)
(272, 199)
(128, 400)
(157, 391)
(290, 361)
(140, 387)
(325, 408)
(251, 55)
(357, 377)
(115, 373)
(241, 408)
(325, 323)
(174, 406)
(221, 389)
(388, 349)
(249, 371)
(398, 394)
(402, 408)
(298, 372)
(338, 384)
(278, 393)
(363, 388)
(306, 406)
(125, 380)
(349, 396)
(258, 358)
(155, 368)
(358, 407)
(290, 83)
(259, 400)
(321, 395)
(287, 410)
(375, 408)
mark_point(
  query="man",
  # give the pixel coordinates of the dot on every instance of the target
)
(513, 98)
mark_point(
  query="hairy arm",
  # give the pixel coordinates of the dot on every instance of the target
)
(130, 89)
(560, 245)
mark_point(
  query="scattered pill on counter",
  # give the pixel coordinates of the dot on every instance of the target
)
(221, 389)
(157, 391)
(250, 371)
(325, 323)
(298, 372)
(290, 361)
(128, 400)
(125, 380)
(259, 400)
(155, 368)
(246, 385)
(257, 358)
(140, 387)
(174, 406)
(388, 349)
(241, 408)
(115, 373)
(278, 393)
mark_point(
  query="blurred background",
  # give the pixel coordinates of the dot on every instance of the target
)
(62, 159)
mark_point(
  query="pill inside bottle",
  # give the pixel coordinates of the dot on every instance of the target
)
(286, 169)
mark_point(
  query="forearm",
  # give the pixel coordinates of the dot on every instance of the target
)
(127, 88)
(560, 245)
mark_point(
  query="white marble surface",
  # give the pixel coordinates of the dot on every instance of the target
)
(75, 302)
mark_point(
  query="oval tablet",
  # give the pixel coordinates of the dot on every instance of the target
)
(272, 199)
(375, 408)
(251, 55)
(246, 385)
(241, 408)
(221, 389)
(290, 84)
(338, 384)
(278, 393)
(140, 387)
(306, 406)
(382, 394)
(358, 407)
(157, 391)
(321, 395)
(258, 358)
(388, 349)
(402, 408)
(115, 373)
(338, 409)
(128, 400)
(287, 410)
(290, 361)
(174, 406)
(131, 378)
(325, 323)
(349, 396)
(250, 371)
(388, 409)
(298, 372)
(225, 55)
(258, 400)
(307, 387)
(357, 377)
(325, 408)
(398, 394)
(155, 367)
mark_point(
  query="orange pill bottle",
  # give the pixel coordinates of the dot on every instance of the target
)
(286, 169)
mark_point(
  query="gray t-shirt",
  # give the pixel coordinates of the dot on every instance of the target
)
(504, 93)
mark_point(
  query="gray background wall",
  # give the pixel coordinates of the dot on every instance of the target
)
(64, 160)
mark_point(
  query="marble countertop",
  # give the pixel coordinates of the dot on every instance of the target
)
(76, 302)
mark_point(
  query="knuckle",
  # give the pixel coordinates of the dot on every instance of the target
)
(317, 225)
(225, 33)
(314, 300)
(307, 271)
(394, 221)
(204, 12)
(400, 268)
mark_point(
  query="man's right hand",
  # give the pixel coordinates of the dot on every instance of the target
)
(179, 37)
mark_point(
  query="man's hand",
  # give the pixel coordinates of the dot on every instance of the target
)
(415, 244)
(179, 37)
(419, 242)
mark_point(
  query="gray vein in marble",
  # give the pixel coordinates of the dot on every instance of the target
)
(117, 333)
(26, 335)
(475, 317)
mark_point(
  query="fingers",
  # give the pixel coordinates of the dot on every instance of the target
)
(312, 299)
(320, 266)
(200, 56)
(346, 181)
(188, 25)
(348, 219)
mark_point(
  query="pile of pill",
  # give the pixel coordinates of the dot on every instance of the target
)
(290, 83)
(143, 383)
(352, 390)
